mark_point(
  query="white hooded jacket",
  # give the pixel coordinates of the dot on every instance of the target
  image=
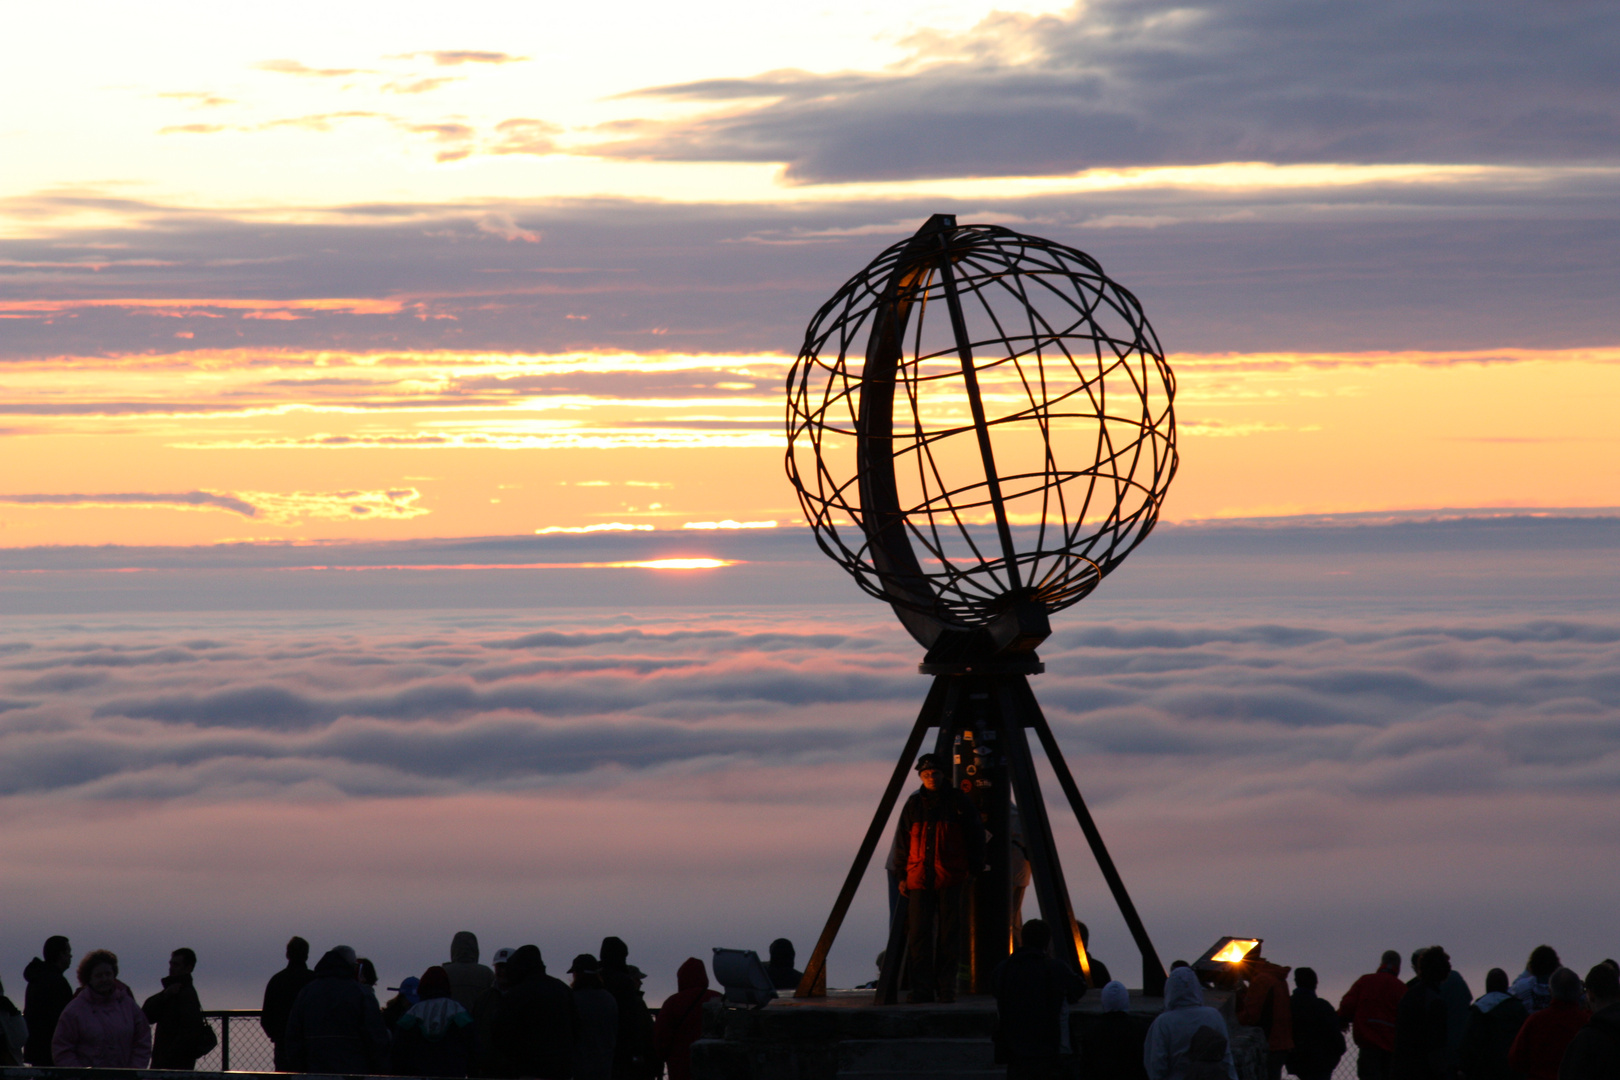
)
(1165, 1052)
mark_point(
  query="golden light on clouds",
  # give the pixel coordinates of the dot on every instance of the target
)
(451, 444)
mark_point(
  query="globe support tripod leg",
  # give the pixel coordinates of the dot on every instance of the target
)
(814, 982)
(1051, 891)
(1153, 974)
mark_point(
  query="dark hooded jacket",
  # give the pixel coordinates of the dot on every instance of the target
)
(334, 1025)
(1493, 1022)
(942, 837)
(177, 1023)
(1030, 989)
(1594, 1053)
(468, 978)
(47, 995)
(680, 1020)
(534, 1028)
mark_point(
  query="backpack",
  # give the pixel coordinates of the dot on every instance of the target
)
(13, 1033)
(1206, 1055)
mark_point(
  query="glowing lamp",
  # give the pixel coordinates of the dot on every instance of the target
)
(1221, 965)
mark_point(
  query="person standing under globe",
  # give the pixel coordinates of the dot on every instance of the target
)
(940, 842)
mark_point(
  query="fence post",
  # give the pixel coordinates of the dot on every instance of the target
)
(224, 1044)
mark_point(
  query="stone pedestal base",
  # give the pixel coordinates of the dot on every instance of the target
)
(845, 1037)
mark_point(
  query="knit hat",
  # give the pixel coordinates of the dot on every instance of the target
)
(1115, 998)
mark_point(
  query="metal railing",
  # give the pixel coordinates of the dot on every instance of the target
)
(243, 1045)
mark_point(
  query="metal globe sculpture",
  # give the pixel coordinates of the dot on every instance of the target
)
(981, 427)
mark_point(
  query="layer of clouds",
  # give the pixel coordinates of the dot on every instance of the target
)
(1125, 83)
(1495, 705)
(457, 57)
(275, 506)
(1342, 763)
(1482, 261)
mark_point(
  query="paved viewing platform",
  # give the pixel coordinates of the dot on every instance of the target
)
(844, 1036)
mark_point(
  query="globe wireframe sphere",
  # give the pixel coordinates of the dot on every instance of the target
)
(978, 420)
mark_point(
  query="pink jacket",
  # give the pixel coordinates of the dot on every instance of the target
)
(102, 1034)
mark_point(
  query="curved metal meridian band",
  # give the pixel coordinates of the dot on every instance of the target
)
(911, 593)
(882, 519)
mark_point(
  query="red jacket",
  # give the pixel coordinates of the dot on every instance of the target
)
(1370, 1007)
(942, 837)
(1538, 1049)
(1268, 982)
(680, 1021)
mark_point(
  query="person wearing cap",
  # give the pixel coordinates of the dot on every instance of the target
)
(940, 843)
(633, 1049)
(405, 996)
(486, 1061)
(598, 1020)
(534, 1028)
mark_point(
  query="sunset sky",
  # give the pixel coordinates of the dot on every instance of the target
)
(437, 290)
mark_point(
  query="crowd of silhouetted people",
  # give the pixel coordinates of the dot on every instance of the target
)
(1547, 1024)
(461, 1018)
(512, 1019)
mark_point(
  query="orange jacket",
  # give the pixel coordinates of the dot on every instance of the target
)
(941, 837)
(1265, 1005)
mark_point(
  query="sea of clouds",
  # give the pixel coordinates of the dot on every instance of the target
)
(1341, 738)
